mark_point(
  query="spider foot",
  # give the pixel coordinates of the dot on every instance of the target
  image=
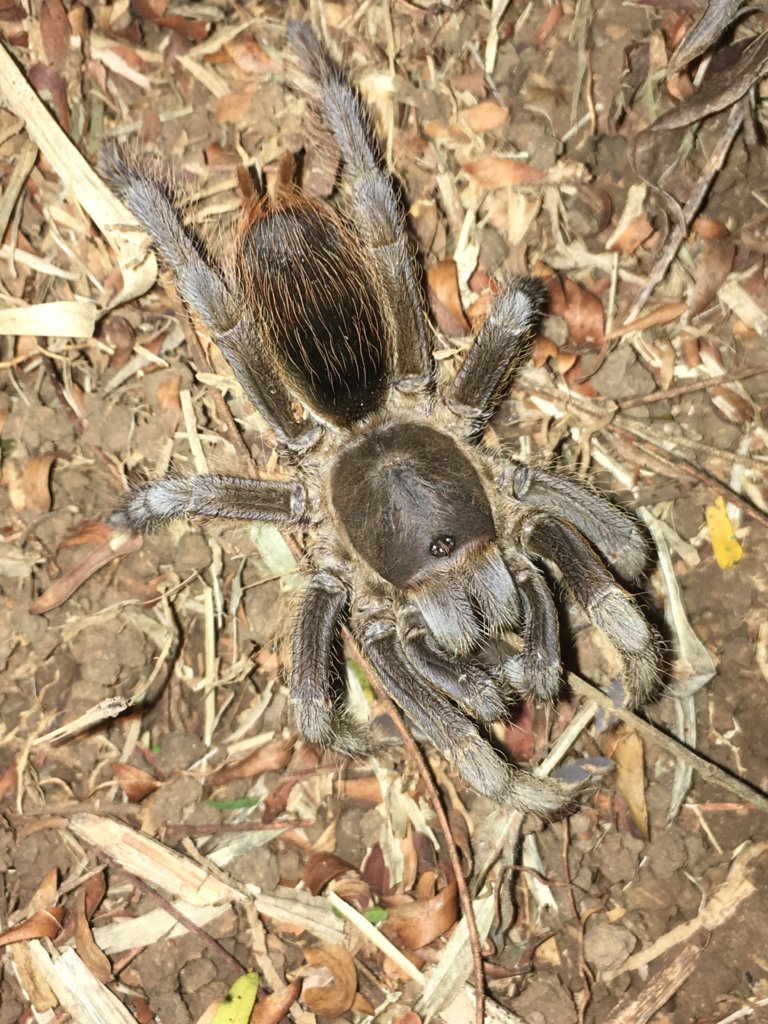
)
(484, 770)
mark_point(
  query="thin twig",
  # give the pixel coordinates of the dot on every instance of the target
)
(241, 826)
(697, 385)
(687, 468)
(175, 913)
(708, 770)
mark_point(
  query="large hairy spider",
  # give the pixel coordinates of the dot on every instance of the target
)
(427, 541)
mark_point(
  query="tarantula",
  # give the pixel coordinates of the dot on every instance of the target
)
(426, 540)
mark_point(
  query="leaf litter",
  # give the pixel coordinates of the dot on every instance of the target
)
(162, 832)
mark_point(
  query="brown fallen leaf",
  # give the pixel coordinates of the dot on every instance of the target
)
(54, 32)
(94, 959)
(273, 1008)
(420, 922)
(485, 116)
(637, 231)
(169, 403)
(331, 965)
(445, 300)
(134, 782)
(490, 171)
(119, 546)
(273, 756)
(44, 924)
(27, 481)
(625, 747)
(322, 868)
(583, 314)
(712, 269)
(663, 315)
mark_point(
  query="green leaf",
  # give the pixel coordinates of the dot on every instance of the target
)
(239, 1001)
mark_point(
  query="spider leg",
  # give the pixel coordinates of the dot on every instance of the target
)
(214, 496)
(232, 325)
(536, 669)
(608, 606)
(612, 532)
(318, 716)
(496, 352)
(378, 218)
(453, 734)
(469, 684)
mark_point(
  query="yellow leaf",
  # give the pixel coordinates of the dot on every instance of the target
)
(239, 1002)
(727, 549)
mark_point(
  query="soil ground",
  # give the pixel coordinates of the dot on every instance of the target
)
(538, 159)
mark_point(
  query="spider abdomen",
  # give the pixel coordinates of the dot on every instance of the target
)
(316, 305)
(410, 502)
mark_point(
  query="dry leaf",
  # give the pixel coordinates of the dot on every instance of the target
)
(234, 106)
(725, 546)
(491, 171)
(485, 116)
(583, 314)
(120, 545)
(634, 233)
(626, 749)
(93, 958)
(169, 403)
(54, 32)
(335, 968)
(706, 227)
(712, 269)
(42, 925)
(422, 921)
(322, 868)
(27, 483)
(134, 782)
(270, 758)
(273, 1008)
(445, 300)
(663, 315)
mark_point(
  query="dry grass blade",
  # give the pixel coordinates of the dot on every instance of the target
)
(84, 998)
(138, 266)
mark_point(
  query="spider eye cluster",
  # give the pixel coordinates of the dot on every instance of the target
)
(443, 546)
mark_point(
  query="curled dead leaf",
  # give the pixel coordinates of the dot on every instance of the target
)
(583, 314)
(27, 481)
(322, 868)
(422, 921)
(330, 980)
(134, 782)
(43, 924)
(273, 1008)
